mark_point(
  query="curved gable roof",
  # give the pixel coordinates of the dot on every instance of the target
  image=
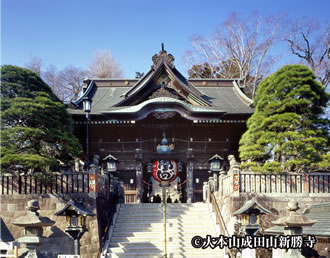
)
(163, 63)
(111, 96)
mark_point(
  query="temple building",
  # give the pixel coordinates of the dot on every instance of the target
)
(131, 120)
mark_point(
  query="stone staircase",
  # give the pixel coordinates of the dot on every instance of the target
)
(138, 231)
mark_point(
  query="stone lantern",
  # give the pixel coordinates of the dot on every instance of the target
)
(33, 228)
(215, 163)
(111, 170)
(76, 217)
(111, 162)
(250, 221)
(250, 216)
(293, 225)
(215, 167)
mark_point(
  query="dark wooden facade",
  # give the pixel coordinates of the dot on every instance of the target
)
(200, 118)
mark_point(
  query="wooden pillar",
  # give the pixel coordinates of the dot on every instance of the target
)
(190, 177)
(190, 188)
(139, 176)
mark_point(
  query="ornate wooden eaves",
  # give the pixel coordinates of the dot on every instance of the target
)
(163, 80)
(165, 107)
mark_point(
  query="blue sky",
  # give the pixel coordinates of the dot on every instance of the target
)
(64, 32)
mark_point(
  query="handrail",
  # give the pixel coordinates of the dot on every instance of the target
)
(115, 201)
(219, 218)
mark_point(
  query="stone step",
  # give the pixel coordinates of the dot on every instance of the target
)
(191, 223)
(138, 231)
(195, 204)
(153, 234)
(158, 244)
(160, 229)
(153, 238)
(160, 211)
(171, 241)
(199, 222)
(169, 255)
(168, 220)
(160, 216)
(154, 249)
(168, 206)
(172, 234)
(156, 226)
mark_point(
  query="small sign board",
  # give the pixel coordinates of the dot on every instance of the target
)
(68, 256)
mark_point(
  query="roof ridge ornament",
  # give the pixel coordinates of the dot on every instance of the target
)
(163, 57)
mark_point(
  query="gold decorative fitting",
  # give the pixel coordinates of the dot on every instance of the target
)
(126, 82)
(204, 83)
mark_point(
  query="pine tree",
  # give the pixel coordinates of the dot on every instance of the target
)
(36, 130)
(287, 131)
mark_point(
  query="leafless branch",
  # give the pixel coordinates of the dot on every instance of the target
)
(239, 45)
(310, 44)
(104, 65)
(34, 63)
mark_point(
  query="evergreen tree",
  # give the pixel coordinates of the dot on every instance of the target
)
(287, 131)
(36, 130)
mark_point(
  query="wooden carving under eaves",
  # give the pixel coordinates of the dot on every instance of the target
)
(166, 92)
(163, 115)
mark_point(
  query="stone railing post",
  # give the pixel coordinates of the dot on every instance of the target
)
(221, 185)
(211, 184)
(215, 182)
(234, 170)
(205, 192)
(93, 174)
(235, 181)
(306, 183)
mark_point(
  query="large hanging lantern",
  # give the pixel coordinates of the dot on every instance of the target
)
(164, 170)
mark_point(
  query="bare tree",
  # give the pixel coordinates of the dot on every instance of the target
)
(71, 79)
(238, 44)
(34, 63)
(104, 65)
(311, 43)
(67, 83)
(52, 78)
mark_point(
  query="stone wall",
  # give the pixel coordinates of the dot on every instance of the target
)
(276, 203)
(57, 241)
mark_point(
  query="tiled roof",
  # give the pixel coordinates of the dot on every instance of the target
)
(109, 96)
(319, 212)
(224, 99)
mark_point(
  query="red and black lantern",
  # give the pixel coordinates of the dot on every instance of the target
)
(164, 170)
